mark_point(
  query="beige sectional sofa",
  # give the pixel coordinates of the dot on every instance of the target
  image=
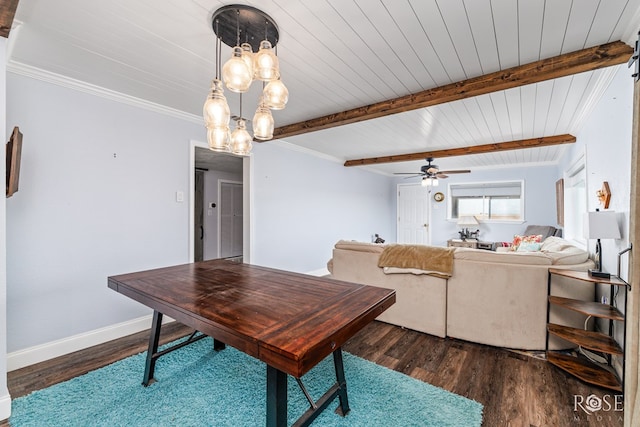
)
(494, 298)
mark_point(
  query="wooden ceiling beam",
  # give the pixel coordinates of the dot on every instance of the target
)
(589, 59)
(474, 149)
(7, 12)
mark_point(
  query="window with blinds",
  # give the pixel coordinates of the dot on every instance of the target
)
(487, 201)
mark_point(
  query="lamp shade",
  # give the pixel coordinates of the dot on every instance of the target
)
(468, 220)
(240, 139)
(265, 65)
(601, 225)
(276, 95)
(263, 123)
(216, 111)
(429, 182)
(235, 72)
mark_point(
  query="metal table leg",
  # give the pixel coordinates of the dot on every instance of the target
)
(276, 397)
(342, 382)
(150, 365)
(153, 354)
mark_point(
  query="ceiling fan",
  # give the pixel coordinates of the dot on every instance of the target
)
(431, 173)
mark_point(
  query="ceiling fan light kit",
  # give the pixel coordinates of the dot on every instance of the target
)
(246, 30)
(429, 182)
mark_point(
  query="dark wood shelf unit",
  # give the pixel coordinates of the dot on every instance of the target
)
(588, 307)
(588, 339)
(585, 370)
(600, 374)
(584, 276)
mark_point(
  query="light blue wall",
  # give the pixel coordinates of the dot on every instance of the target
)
(97, 197)
(304, 204)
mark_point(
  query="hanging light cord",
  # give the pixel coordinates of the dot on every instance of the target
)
(218, 48)
(238, 27)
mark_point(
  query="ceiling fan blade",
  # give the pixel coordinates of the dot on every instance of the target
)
(441, 176)
(411, 175)
(456, 171)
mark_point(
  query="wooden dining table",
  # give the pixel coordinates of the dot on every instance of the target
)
(290, 321)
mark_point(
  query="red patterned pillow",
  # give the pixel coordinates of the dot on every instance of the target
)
(517, 240)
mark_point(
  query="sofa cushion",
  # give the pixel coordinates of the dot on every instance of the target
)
(529, 247)
(529, 238)
(529, 258)
(562, 252)
(353, 245)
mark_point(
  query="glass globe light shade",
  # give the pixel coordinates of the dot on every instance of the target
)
(216, 110)
(235, 73)
(218, 138)
(263, 123)
(265, 63)
(247, 57)
(429, 182)
(276, 95)
(240, 139)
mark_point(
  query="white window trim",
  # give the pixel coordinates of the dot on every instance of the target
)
(490, 221)
(580, 163)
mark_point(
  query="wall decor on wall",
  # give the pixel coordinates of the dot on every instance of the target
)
(604, 195)
(560, 202)
(438, 197)
(14, 152)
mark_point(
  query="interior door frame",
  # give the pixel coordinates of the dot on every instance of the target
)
(247, 201)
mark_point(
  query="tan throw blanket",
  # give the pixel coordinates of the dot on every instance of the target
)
(432, 260)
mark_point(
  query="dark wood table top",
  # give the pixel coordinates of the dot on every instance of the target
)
(288, 320)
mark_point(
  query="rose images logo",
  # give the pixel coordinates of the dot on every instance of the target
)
(608, 406)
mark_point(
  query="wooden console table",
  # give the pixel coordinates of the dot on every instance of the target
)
(459, 243)
(470, 243)
(580, 367)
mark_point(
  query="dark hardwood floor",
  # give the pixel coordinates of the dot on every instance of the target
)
(515, 389)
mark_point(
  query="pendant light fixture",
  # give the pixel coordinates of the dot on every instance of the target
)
(258, 33)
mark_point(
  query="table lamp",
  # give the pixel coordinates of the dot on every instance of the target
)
(601, 225)
(464, 221)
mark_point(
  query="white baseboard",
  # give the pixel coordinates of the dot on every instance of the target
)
(5, 406)
(40, 353)
(321, 272)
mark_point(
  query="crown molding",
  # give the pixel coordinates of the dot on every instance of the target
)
(91, 89)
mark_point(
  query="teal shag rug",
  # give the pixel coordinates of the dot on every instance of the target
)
(197, 386)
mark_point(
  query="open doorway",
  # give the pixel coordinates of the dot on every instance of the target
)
(217, 196)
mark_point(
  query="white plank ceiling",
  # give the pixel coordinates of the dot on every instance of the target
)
(340, 54)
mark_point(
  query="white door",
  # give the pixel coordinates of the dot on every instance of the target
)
(231, 219)
(413, 214)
